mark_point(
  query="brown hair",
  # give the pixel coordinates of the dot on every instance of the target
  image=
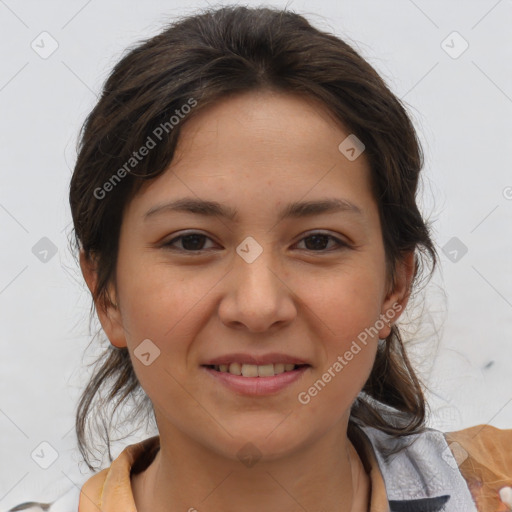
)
(206, 57)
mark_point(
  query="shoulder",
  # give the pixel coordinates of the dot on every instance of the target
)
(419, 467)
(484, 457)
(91, 492)
(113, 484)
(485, 442)
(467, 467)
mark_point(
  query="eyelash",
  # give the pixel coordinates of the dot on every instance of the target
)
(340, 243)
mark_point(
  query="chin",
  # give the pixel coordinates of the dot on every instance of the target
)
(257, 443)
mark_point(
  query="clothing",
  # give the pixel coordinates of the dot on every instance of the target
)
(459, 471)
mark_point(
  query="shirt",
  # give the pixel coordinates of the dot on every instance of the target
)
(460, 471)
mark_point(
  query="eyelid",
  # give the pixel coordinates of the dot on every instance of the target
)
(168, 244)
(340, 243)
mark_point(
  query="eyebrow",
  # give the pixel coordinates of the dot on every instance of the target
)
(293, 210)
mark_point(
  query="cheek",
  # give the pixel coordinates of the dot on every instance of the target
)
(347, 346)
(347, 309)
(346, 304)
(158, 300)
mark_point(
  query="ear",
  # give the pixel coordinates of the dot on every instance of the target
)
(397, 299)
(109, 314)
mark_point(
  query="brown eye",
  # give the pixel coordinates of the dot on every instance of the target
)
(318, 241)
(194, 242)
(191, 242)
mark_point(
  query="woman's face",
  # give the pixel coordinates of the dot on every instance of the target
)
(255, 286)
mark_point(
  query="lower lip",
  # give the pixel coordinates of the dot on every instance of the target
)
(257, 386)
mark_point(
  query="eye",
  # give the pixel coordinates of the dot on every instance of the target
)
(319, 239)
(194, 242)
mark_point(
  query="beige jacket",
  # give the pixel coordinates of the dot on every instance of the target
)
(461, 471)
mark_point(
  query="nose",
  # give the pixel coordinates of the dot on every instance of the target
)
(257, 296)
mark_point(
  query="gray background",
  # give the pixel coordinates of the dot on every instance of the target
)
(461, 107)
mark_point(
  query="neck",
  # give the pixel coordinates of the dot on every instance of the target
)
(186, 476)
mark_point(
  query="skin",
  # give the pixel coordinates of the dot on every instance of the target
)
(255, 152)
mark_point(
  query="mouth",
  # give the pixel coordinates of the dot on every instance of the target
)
(253, 370)
(255, 380)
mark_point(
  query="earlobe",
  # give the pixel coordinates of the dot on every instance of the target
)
(397, 299)
(109, 314)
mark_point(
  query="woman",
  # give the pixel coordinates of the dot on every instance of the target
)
(244, 209)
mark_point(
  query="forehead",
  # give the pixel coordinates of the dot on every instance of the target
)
(271, 146)
(264, 120)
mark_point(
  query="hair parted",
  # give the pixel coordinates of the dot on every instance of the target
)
(196, 61)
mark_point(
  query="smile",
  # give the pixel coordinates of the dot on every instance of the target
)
(253, 370)
(256, 380)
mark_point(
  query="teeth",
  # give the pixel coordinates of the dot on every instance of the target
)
(253, 370)
(250, 370)
(235, 369)
(266, 370)
(278, 368)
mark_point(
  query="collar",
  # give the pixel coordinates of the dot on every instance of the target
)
(419, 472)
(422, 477)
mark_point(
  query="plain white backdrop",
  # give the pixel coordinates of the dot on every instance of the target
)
(449, 61)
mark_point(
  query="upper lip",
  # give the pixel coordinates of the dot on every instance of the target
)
(274, 358)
